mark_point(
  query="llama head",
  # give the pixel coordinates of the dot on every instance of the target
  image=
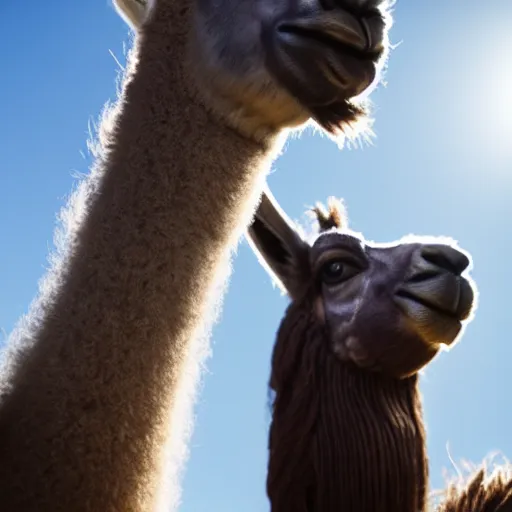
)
(383, 307)
(278, 63)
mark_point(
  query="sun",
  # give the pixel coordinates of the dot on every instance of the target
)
(489, 94)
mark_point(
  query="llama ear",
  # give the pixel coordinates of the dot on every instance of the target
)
(134, 12)
(278, 246)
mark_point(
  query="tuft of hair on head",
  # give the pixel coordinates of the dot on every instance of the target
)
(332, 217)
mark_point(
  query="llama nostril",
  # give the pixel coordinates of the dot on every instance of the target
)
(445, 257)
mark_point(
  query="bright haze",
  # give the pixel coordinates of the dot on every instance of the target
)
(441, 164)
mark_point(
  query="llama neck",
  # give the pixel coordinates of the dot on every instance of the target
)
(87, 403)
(341, 438)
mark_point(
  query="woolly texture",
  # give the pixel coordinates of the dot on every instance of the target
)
(98, 380)
(482, 490)
(340, 438)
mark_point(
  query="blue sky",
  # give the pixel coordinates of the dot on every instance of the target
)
(441, 164)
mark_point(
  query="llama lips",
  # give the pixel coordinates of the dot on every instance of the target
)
(363, 36)
(325, 57)
(437, 306)
(448, 294)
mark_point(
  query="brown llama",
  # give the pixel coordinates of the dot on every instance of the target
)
(347, 430)
(98, 380)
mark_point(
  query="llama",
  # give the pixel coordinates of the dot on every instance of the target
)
(97, 381)
(347, 431)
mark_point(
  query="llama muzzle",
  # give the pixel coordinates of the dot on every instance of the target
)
(435, 295)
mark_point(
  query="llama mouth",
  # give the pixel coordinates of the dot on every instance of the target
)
(445, 294)
(324, 57)
(344, 34)
(326, 40)
(435, 326)
(406, 296)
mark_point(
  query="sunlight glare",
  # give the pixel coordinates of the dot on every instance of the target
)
(489, 95)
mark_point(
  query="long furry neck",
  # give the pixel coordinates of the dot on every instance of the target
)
(340, 438)
(104, 364)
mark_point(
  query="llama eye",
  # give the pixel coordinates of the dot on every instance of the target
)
(334, 272)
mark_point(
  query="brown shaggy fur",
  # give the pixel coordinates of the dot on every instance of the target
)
(373, 423)
(481, 492)
(102, 371)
